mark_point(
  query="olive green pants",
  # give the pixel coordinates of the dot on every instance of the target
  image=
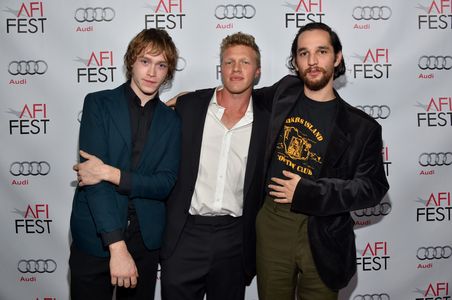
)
(284, 261)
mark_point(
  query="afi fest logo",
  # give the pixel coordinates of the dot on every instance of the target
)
(31, 119)
(86, 17)
(167, 14)
(374, 257)
(35, 220)
(436, 208)
(428, 64)
(375, 64)
(436, 15)
(29, 18)
(434, 291)
(437, 112)
(386, 161)
(99, 67)
(367, 14)
(305, 11)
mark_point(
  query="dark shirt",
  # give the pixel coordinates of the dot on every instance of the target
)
(303, 139)
(140, 122)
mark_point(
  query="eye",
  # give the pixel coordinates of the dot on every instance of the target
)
(163, 66)
(302, 53)
(144, 61)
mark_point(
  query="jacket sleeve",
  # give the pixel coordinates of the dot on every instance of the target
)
(93, 139)
(330, 196)
(158, 185)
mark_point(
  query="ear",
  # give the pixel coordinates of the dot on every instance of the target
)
(338, 59)
(258, 73)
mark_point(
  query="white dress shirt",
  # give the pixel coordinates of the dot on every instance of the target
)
(222, 164)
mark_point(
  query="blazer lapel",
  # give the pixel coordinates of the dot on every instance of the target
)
(199, 113)
(159, 123)
(339, 142)
(257, 141)
(119, 111)
(287, 99)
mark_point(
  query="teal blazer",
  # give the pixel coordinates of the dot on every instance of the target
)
(105, 132)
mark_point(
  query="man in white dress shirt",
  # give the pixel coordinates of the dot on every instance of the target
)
(209, 243)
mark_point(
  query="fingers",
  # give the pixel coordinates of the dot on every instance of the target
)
(278, 188)
(85, 154)
(282, 201)
(127, 282)
(289, 174)
(278, 180)
(114, 280)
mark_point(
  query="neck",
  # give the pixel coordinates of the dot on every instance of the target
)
(234, 102)
(323, 95)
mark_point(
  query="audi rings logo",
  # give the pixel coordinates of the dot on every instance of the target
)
(430, 62)
(27, 168)
(372, 13)
(27, 67)
(235, 11)
(381, 209)
(372, 297)
(435, 159)
(94, 14)
(437, 252)
(376, 111)
(36, 266)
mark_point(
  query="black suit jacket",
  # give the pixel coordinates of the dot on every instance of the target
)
(192, 109)
(352, 177)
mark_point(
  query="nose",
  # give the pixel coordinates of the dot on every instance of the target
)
(236, 67)
(151, 70)
(312, 59)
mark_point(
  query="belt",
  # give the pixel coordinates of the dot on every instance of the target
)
(212, 220)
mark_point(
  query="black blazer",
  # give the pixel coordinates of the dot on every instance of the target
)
(352, 177)
(192, 109)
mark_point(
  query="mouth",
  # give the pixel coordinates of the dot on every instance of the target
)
(148, 82)
(314, 72)
(236, 78)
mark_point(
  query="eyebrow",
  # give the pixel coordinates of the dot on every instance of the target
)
(318, 48)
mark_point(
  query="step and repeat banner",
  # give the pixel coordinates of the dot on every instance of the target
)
(399, 60)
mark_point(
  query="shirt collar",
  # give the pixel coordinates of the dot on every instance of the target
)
(218, 110)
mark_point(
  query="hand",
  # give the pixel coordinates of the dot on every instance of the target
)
(172, 102)
(90, 172)
(123, 271)
(284, 189)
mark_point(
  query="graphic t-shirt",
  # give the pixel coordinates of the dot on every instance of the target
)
(303, 139)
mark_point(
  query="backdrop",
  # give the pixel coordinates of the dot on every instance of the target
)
(399, 59)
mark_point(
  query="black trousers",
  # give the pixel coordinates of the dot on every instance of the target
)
(90, 275)
(207, 261)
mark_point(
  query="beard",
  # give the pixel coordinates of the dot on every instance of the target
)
(316, 84)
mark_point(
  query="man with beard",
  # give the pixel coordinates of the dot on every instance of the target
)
(323, 160)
